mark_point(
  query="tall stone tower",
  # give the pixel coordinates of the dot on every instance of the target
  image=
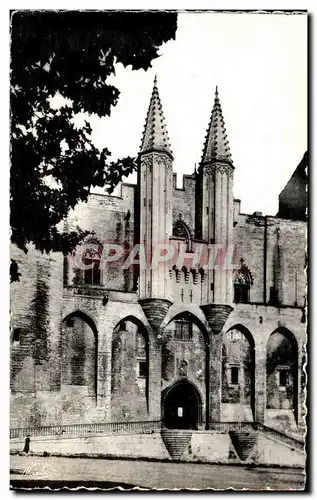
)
(214, 199)
(155, 199)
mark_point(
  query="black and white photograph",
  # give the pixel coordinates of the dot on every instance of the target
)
(158, 250)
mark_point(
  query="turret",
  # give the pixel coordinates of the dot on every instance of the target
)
(214, 210)
(155, 198)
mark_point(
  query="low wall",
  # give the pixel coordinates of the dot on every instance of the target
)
(204, 446)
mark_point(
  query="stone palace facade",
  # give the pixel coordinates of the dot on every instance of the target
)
(180, 344)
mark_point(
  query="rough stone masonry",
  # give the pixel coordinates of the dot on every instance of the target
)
(182, 345)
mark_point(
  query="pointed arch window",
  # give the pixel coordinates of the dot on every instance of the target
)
(242, 283)
(181, 230)
(91, 258)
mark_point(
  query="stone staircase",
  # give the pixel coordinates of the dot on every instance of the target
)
(176, 441)
(294, 443)
(243, 443)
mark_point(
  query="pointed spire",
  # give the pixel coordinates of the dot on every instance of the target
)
(155, 137)
(216, 145)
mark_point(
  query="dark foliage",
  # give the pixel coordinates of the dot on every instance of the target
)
(71, 53)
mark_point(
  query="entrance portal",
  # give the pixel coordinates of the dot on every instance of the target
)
(182, 406)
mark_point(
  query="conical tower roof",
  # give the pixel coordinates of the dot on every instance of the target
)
(155, 136)
(216, 144)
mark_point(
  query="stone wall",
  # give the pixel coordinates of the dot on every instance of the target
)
(275, 252)
(111, 220)
(129, 373)
(237, 395)
(48, 387)
(184, 201)
(185, 359)
(206, 447)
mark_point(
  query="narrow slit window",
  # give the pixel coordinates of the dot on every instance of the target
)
(283, 378)
(142, 369)
(16, 335)
(234, 375)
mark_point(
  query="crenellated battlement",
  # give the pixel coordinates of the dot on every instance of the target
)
(188, 182)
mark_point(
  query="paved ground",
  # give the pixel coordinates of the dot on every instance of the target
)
(26, 470)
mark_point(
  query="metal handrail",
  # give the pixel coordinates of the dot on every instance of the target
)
(142, 427)
(145, 427)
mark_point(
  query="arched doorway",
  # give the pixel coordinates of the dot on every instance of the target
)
(185, 356)
(181, 406)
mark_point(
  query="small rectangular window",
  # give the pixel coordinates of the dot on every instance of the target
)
(142, 369)
(241, 294)
(92, 276)
(16, 335)
(183, 330)
(144, 202)
(207, 210)
(234, 375)
(283, 378)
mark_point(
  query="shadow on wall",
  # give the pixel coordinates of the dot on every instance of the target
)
(282, 373)
(129, 371)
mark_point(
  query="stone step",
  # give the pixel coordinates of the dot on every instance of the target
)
(176, 441)
(243, 443)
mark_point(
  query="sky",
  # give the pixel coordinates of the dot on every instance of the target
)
(259, 62)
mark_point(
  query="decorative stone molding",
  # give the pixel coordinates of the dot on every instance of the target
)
(216, 315)
(155, 311)
(160, 159)
(223, 168)
(243, 275)
(243, 443)
(176, 441)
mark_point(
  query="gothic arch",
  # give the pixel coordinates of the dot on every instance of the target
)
(242, 282)
(243, 275)
(79, 337)
(83, 312)
(85, 317)
(194, 311)
(181, 230)
(133, 319)
(185, 395)
(282, 371)
(186, 353)
(246, 332)
(194, 319)
(238, 371)
(129, 370)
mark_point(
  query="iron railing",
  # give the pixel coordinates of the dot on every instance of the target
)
(146, 427)
(140, 427)
(250, 426)
(232, 426)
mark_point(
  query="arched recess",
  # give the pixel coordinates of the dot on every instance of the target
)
(243, 280)
(90, 272)
(181, 230)
(186, 355)
(282, 376)
(181, 405)
(129, 370)
(238, 375)
(79, 354)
